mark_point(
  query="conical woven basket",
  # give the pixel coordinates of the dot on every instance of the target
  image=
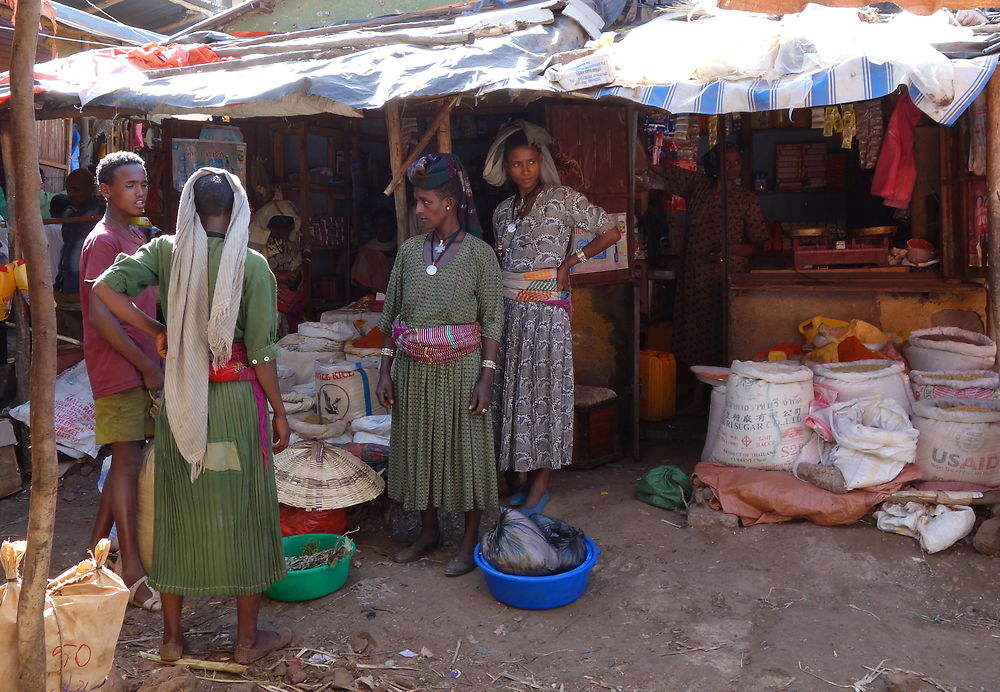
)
(315, 475)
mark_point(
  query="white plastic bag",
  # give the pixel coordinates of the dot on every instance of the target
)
(74, 413)
(866, 378)
(937, 527)
(949, 348)
(972, 384)
(959, 440)
(869, 440)
(762, 426)
(380, 425)
(334, 331)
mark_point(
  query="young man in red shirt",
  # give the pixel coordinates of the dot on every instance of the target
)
(122, 364)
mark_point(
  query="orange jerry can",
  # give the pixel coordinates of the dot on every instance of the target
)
(658, 376)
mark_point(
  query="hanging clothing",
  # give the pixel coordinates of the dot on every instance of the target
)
(870, 131)
(896, 170)
(534, 383)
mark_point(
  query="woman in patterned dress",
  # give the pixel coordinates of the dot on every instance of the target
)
(534, 231)
(698, 313)
(442, 320)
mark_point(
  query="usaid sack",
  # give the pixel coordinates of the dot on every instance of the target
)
(74, 413)
(959, 440)
(762, 426)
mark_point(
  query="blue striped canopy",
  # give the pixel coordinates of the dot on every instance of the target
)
(859, 79)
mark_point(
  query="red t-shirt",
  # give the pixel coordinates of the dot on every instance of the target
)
(109, 371)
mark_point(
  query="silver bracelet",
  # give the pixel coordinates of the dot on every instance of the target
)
(582, 257)
(388, 352)
(490, 364)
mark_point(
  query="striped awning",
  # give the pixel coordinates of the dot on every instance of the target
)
(859, 79)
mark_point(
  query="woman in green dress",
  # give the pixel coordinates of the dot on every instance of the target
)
(216, 525)
(443, 317)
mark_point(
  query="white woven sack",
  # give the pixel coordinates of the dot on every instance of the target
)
(959, 445)
(949, 348)
(866, 378)
(335, 331)
(715, 412)
(762, 425)
(973, 384)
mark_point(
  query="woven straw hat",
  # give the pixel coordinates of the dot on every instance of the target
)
(316, 475)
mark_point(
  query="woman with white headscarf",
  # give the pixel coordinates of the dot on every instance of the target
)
(216, 525)
(534, 236)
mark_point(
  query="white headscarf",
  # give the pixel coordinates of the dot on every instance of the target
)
(195, 337)
(495, 174)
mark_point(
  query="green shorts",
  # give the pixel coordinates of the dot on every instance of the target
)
(123, 417)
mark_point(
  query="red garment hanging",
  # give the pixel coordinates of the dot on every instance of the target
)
(896, 170)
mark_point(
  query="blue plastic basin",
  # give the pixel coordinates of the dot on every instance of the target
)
(538, 593)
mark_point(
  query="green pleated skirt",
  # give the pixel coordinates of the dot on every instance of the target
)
(440, 456)
(221, 533)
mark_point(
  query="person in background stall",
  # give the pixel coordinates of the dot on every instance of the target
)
(534, 234)
(370, 272)
(81, 200)
(122, 364)
(276, 230)
(216, 527)
(442, 320)
(698, 316)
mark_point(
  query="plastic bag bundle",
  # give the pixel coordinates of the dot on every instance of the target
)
(515, 545)
(566, 539)
(936, 527)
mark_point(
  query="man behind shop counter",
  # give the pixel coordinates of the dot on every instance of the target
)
(122, 364)
(82, 200)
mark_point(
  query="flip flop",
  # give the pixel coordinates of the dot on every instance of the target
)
(247, 655)
(153, 603)
(456, 567)
(411, 554)
(517, 499)
(528, 511)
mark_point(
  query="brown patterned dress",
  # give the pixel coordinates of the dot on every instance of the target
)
(698, 306)
(534, 381)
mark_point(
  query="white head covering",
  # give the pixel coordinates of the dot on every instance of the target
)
(495, 174)
(196, 338)
(260, 233)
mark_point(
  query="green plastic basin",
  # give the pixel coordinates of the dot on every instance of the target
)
(307, 584)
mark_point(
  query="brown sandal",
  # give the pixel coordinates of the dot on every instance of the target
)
(247, 655)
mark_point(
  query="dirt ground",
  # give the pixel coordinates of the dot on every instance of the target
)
(778, 607)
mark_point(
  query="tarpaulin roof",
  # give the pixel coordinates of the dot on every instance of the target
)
(325, 74)
(734, 62)
(793, 6)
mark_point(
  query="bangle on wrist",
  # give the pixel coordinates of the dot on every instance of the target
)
(582, 257)
(388, 352)
(491, 364)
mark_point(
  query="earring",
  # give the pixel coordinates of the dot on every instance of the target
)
(448, 208)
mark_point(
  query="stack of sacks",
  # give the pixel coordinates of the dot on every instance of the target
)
(973, 384)
(299, 352)
(866, 378)
(362, 320)
(325, 338)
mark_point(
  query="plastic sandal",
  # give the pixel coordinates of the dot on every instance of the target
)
(247, 655)
(517, 499)
(153, 603)
(528, 511)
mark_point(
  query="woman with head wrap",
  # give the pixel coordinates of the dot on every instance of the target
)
(442, 320)
(534, 232)
(216, 527)
(698, 305)
(276, 232)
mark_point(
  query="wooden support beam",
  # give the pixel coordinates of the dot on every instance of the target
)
(993, 200)
(394, 127)
(188, 18)
(444, 134)
(101, 6)
(443, 115)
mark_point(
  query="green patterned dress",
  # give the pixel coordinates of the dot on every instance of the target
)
(219, 534)
(440, 455)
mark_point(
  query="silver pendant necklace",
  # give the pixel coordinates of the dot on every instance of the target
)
(437, 251)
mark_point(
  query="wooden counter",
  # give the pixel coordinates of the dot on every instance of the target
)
(766, 307)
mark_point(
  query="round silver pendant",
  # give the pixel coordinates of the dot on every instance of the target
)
(511, 227)
(431, 269)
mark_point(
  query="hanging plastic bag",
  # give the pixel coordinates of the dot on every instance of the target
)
(8, 285)
(567, 541)
(516, 546)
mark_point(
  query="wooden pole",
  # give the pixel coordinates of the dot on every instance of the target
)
(443, 116)
(44, 472)
(993, 200)
(22, 328)
(394, 127)
(444, 132)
